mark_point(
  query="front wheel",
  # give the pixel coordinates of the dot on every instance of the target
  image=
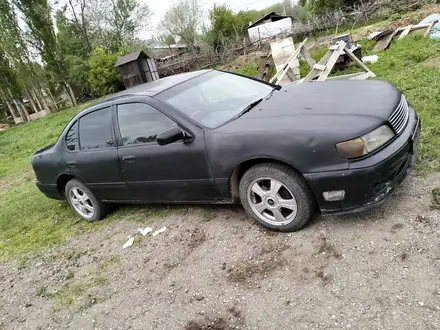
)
(83, 202)
(277, 197)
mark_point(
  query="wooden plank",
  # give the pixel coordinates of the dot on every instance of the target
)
(314, 73)
(270, 66)
(319, 67)
(261, 67)
(309, 59)
(358, 61)
(419, 29)
(429, 29)
(291, 74)
(385, 41)
(332, 61)
(347, 76)
(354, 76)
(363, 76)
(282, 50)
(280, 74)
(405, 32)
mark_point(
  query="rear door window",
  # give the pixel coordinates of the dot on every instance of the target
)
(95, 130)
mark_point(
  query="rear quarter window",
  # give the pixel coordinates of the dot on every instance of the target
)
(72, 138)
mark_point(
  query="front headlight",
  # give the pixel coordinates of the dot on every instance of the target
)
(365, 144)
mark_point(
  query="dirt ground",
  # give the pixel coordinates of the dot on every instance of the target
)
(215, 269)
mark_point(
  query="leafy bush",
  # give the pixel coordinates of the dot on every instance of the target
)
(104, 78)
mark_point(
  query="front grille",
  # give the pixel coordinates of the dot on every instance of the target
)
(400, 116)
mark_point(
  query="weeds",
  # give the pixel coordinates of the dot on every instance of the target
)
(41, 291)
(435, 204)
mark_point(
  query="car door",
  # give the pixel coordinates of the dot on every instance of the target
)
(91, 154)
(176, 172)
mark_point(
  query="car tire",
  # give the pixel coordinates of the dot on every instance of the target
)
(83, 202)
(277, 197)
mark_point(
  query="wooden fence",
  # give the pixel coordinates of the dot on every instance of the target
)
(335, 21)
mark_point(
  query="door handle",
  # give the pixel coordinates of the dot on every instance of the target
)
(129, 158)
(71, 163)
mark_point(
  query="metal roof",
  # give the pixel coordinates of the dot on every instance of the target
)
(130, 58)
(272, 15)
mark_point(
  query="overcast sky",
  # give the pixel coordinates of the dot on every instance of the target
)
(159, 8)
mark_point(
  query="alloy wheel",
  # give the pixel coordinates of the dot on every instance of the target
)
(82, 203)
(272, 201)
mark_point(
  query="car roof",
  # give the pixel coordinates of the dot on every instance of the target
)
(155, 87)
(147, 89)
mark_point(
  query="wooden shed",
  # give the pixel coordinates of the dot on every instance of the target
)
(136, 69)
(270, 26)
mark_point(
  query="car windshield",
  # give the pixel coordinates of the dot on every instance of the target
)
(214, 98)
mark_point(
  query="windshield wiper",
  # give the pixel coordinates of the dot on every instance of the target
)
(250, 107)
(276, 88)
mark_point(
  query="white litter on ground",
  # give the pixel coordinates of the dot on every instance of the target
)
(128, 243)
(370, 59)
(157, 232)
(146, 231)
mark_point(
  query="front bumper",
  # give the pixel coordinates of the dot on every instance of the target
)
(369, 182)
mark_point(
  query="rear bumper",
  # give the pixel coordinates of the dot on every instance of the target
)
(368, 183)
(50, 190)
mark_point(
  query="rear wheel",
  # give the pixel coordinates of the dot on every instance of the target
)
(83, 202)
(277, 197)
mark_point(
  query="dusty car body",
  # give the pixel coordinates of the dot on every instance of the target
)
(215, 137)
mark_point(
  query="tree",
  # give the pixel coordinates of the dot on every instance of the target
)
(244, 18)
(16, 61)
(222, 25)
(104, 77)
(37, 16)
(322, 6)
(75, 51)
(110, 25)
(183, 19)
(289, 8)
(127, 18)
(166, 39)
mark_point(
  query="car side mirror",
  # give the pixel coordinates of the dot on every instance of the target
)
(171, 135)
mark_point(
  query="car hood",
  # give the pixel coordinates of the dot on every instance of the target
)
(349, 107)
(346, 97)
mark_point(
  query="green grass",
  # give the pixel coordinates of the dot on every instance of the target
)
(401, 65)
(435, 204)
(249, 70)
(29, 221)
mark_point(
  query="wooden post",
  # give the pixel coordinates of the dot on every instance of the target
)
(11, 110)
(259, 37)
(8, 104)
(20, 111)
(29, 96)
(25, 110)
(52, 98)
(70, 94)
(43, 100)
(40, 108)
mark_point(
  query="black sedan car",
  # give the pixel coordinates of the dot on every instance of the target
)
(216, 137)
